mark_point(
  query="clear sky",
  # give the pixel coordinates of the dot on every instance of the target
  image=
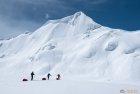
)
(18, 16)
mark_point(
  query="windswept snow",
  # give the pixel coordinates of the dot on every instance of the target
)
(77, 48)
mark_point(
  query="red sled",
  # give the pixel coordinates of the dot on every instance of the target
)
(24, 80)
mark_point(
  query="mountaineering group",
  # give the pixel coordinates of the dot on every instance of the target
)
(48, 76)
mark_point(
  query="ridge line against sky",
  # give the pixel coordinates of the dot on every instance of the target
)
(18, 16)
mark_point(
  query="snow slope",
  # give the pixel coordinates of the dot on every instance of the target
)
(77, 48)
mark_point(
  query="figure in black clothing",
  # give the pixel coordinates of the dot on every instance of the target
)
(32, 76)
(49, 76)
(58, 77)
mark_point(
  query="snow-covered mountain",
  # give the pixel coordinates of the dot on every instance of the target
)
(77, 48)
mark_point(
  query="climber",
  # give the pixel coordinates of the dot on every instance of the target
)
(48, 75)
(32, 75)
(58, 77)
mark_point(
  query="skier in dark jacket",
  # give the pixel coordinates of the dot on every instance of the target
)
(32, 76)
(48, 75)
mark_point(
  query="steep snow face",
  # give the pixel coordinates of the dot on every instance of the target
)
(74, 46)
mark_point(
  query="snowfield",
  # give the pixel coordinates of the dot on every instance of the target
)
(79, 49)
(67, 87)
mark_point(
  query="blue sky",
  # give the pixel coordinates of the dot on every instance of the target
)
(18, 16)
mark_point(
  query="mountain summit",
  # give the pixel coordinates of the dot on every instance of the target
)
(75, 19)
(74, 46)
